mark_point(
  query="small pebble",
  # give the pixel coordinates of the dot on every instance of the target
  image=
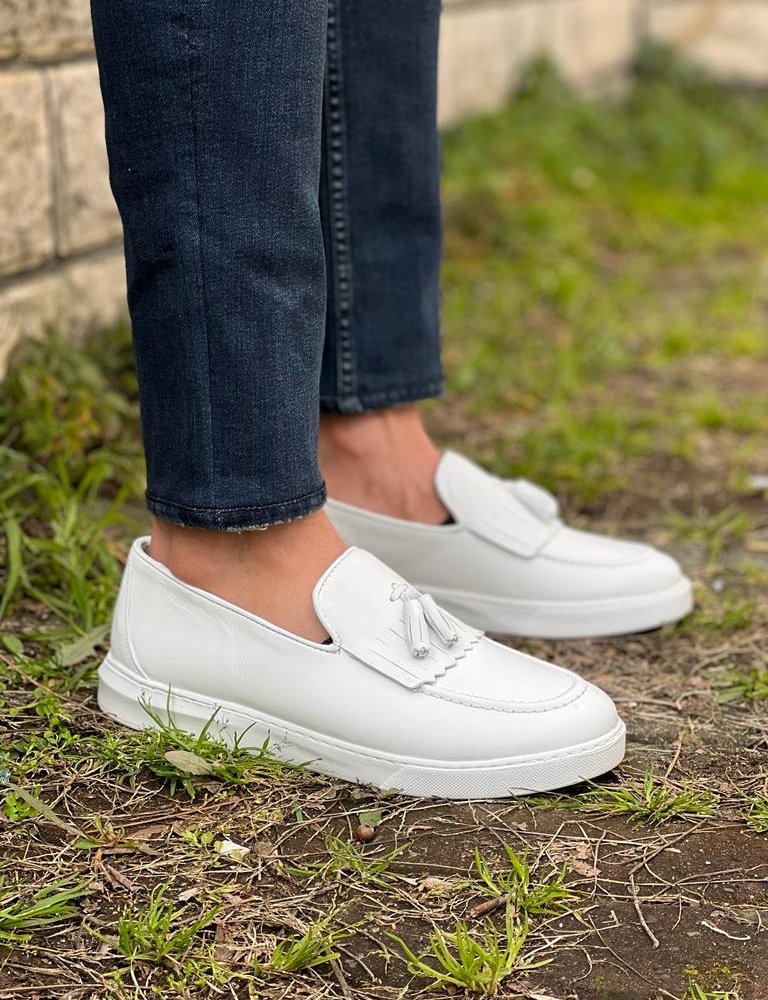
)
(364, 833)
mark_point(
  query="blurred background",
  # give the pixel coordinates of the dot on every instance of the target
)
(59, 235)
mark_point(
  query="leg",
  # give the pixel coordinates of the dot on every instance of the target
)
(380, 200)
(503, 561)
(213, 112)
(214, 128)
(381, 211)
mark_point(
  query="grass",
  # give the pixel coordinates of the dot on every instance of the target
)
(163, 930)
(755, 812)
(70, 459)
(636, 196)
(604, 317)
(722, 613)
(352, 863)
(696, 992)
(525, 891)
(22, 911)
(649, 800)
(716, 531)
(184, 760)
(749, 684)
(316, 946)
(478, 962)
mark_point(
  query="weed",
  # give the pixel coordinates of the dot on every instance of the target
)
(198, 973)
(649, 800)
(717, 613)
(715, 531)
(749, 684)
(23, 911)
(160, 931)
(350, 861)
(696, 992)
(477, 962)
(524, 890)
(755, 812)
(316, 946)
(181, 759)
(16, 808)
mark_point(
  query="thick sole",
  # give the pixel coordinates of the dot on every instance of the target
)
(568, 620)
(123, 695)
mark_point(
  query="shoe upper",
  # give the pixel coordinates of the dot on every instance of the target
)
(399, 676)
(507, 541)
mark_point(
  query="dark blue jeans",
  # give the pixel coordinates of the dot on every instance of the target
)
(275, 163)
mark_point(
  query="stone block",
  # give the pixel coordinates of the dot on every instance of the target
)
(729, 38)
(86, 216)
(589, 39)
(92, 293)
(44, 29)
(26, 235)
(482, 51)
(24, 306)
(77, 297)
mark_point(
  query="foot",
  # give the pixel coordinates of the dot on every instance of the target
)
(268, 573)
(405, 697)
(508, 564)
(384, 462)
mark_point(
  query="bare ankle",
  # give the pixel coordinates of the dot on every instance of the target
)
(383, 461)
(270, 573)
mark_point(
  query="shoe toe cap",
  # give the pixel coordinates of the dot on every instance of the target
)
(588, 718)
(517, 705)
(602, 566)
(656, 571)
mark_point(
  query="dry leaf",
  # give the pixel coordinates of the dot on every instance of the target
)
(189, 763)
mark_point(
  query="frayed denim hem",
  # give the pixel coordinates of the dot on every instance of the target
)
(237, 518)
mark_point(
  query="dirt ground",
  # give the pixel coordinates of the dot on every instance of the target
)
(655, 906)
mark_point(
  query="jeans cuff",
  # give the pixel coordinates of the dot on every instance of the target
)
(237, 518)
(362, 402)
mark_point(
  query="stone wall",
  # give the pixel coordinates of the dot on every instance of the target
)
(727, 37)
(60, 256)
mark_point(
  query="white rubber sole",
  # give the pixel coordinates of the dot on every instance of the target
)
(123, 695)
(567, 620)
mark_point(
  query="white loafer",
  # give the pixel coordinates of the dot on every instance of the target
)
(405, 697)
(509, 565)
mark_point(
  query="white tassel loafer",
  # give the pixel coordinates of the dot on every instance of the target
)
(508, 564)
(404, 697)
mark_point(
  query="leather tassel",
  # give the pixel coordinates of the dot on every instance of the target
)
(438, 620)
(416, 627)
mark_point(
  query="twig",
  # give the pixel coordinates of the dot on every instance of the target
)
(341, 979)
(675, 758)
(639, 912)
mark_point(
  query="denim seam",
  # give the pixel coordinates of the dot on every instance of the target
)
(362, 401)
(339, 229)
(198, 233)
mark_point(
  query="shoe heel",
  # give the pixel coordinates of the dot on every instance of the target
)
(129, 699)
(138, 703)
(121, 697)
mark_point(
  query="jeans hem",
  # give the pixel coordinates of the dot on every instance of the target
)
(237, 518)
(362, 402)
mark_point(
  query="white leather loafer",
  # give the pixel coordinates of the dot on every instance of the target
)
(404, 697)
(509, 565)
